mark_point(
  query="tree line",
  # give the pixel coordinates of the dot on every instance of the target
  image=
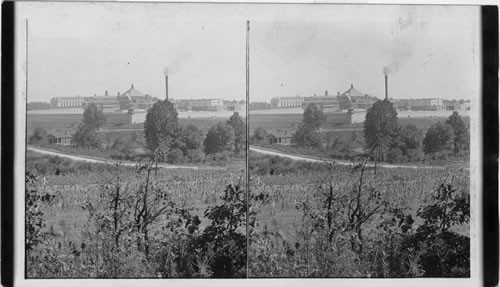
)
(164, 136)
(384, 138)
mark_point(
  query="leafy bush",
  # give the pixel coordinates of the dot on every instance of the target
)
(395, 155)
(259, 136)
(39, 136)
(239, 128)
(225, 236)
(414, 155)
(308, 136)
(432, 250)
(461, 133)
(195, 155)
(175, 156)
(219, 138)
(352, 227)
(135, 229)
(34, 216)
(439, 137)
(380, 126)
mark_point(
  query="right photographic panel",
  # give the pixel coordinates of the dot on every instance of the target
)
(360, 149)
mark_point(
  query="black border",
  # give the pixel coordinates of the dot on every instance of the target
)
(7, 153)
(489, 33)
(490, 65)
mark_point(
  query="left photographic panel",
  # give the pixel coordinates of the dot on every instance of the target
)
(135, 140)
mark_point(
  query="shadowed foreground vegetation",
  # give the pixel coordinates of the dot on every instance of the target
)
(104, 221)
(320, 220)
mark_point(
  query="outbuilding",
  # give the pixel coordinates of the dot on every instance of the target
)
(282, 137)
(60, 138)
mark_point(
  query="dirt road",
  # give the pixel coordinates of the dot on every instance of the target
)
(340, 162)
(106, 161)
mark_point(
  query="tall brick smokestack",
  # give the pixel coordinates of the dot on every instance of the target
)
(166, 87)
(386, 88)
(166, 71)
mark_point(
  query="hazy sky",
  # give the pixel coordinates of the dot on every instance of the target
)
(295, 49)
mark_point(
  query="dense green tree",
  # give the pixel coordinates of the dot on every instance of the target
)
(439, 137)
(259, 135)
(313, 116)
(39, 136)
(87, 136)
(93, 116)
(461, 133)
(410, 138)
(87, 132)
(381, 127)
(161, 127)
(307, 136)
(239, 127)
(175, 155)
(395, 155)
(219, 138)
(192, 138)
(123, 145)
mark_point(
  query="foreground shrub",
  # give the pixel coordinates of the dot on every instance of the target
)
(135, 229)
(352, 227)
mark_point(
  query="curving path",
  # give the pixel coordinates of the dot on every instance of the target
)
(106, 161)
(252, 148)
(340, 162)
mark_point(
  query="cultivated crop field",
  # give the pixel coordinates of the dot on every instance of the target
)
(115, 221)
(196, 189)
(333, 221)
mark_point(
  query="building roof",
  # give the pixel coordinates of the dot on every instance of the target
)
(297, 97)
(321, 97)
(352, 93)
(280, 133)
(132, 92)
(72, 97)
(60, 134)
(96, 97)
(195, 100)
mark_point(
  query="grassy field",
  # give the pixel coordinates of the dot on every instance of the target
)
(188, 188)
(408, 188)
(76, 239)
(48, 122)
(285, 119)
(292, 220)
(71, 122)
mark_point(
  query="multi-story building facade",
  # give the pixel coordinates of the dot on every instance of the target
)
(200, 104)
(131, 98)
(430, 104)
(236, 106)
(66, 102)
(287, 102)
(401, 104)
(325, 101)
(105, 102)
